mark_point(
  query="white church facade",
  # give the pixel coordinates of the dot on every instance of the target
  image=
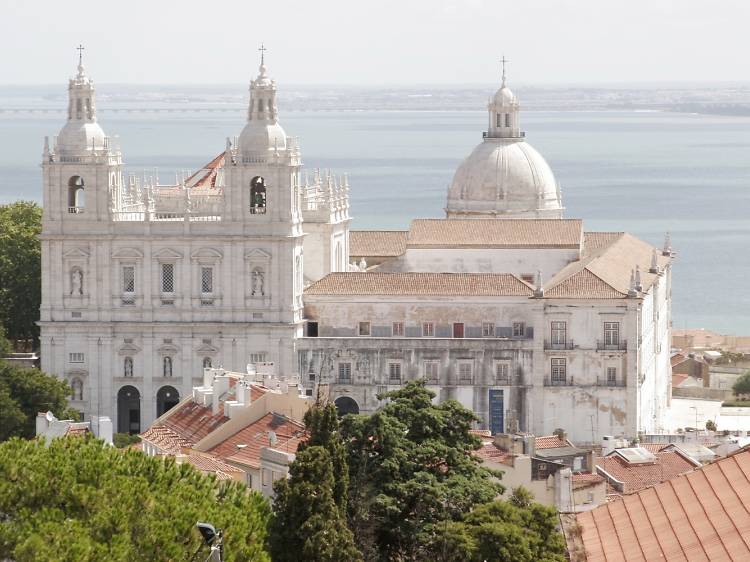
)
(504, 305)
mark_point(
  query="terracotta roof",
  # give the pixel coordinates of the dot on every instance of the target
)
(481, 432)
(491, 452)
(701, 515)
(495, 233)
(605, 271)
(77, 429)
(586, 479)
(191, 422)
(213, 465)
(678, 379)
(417, 284)
(593, 241)
(635, 477)
(377, 243)
(551, 442)
(289, 434)
(653, 447)
(168, 441)
(206, 176)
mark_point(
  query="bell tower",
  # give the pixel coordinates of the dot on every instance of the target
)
(82, 169)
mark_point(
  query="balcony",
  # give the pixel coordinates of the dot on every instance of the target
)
(554, 345)
(611, 383)
(567, 381)
(75, 210)
(621, 345)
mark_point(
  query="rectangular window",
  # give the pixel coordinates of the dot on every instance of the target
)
(507, 119)
(394, 373)
(465, 373)
(167, 278)
(611, 333)
(458, 330)
(312, 329)
(398, 329)
(311, 377)
(559, 371)
(207, 280)
(488, 329)
(364, 329)
(611, 375)
(257, 358)
(519, 329)
(431, 371)
(502, 372)
(558, 332)
(428, 329)
(75, 357)
(128, 279)
(499, 119)
(345, 373)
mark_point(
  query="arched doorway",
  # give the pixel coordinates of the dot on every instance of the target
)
(129, 410)
(166, 399)
(346, 405)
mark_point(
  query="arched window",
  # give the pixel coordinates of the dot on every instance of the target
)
(128, 367)
(77, 389)
(76, 281)
(76, 199)
(167, 366)
(206, 362)
(258, 196)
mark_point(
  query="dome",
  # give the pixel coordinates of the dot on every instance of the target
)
(505, 97)
(504, 177)
(261, 136)
(80, 135)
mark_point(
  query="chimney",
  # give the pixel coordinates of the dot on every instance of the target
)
(529, 447)
(539, 290)
(42, 422)
(220, 387)
(272, 439)
(101, 427)
(608, 445)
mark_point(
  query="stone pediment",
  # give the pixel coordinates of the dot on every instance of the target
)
(127, 254)
(258, 255)
(129, 349)
(206, 254)
(207, 349)
(76, 253)
(167, 254)
(168, 349)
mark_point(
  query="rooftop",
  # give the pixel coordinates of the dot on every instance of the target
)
(419, 284)
(377, 243)
(701, 515)
(634, 471)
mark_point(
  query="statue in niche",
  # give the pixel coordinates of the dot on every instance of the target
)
(76, 282)
(258, 282)
(128, 367)
(167, 366)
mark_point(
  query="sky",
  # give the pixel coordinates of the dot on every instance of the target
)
(387, 42)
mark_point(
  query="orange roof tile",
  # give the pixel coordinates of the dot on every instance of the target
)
(289, 434)
(491, 452)
(495, 233)
(586, 479)
(419, 284)
(634, 477)
(377, 243)
(209, 464)
(189, 423)
(701, 515)
(551, 442)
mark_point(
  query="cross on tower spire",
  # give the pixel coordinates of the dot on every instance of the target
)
(262, 53)
(503, 61)
(80, 49)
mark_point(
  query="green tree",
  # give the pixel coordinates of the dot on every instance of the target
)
(501, 531)
(5, 347)
(78, 500)
(25, 392)
(742, 385)
(307, 523)
(710, 425)
(20, 269)
(411, 472)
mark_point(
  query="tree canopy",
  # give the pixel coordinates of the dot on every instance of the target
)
(742, 385)
(25, 392)
(20, 269)
(78, 500)
(411, 468)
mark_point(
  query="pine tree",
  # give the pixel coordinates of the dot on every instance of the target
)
(308, 524)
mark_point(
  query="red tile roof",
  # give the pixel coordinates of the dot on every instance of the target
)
(212, 465)
(377, 243)
(551, 442)
(289, 434)
(653, 447)
(701, 515)
(586, 479)
(491, 452)
(634, 477)
(481, 432)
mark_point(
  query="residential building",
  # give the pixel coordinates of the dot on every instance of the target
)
(49, 427)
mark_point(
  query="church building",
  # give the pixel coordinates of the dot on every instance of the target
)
(504, 305)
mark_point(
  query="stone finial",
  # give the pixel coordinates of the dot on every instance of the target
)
(539, 291)
(632, 292)
(654, 263)
(667, 250)
(638, 285)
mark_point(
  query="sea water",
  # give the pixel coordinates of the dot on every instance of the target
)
(640, 172)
